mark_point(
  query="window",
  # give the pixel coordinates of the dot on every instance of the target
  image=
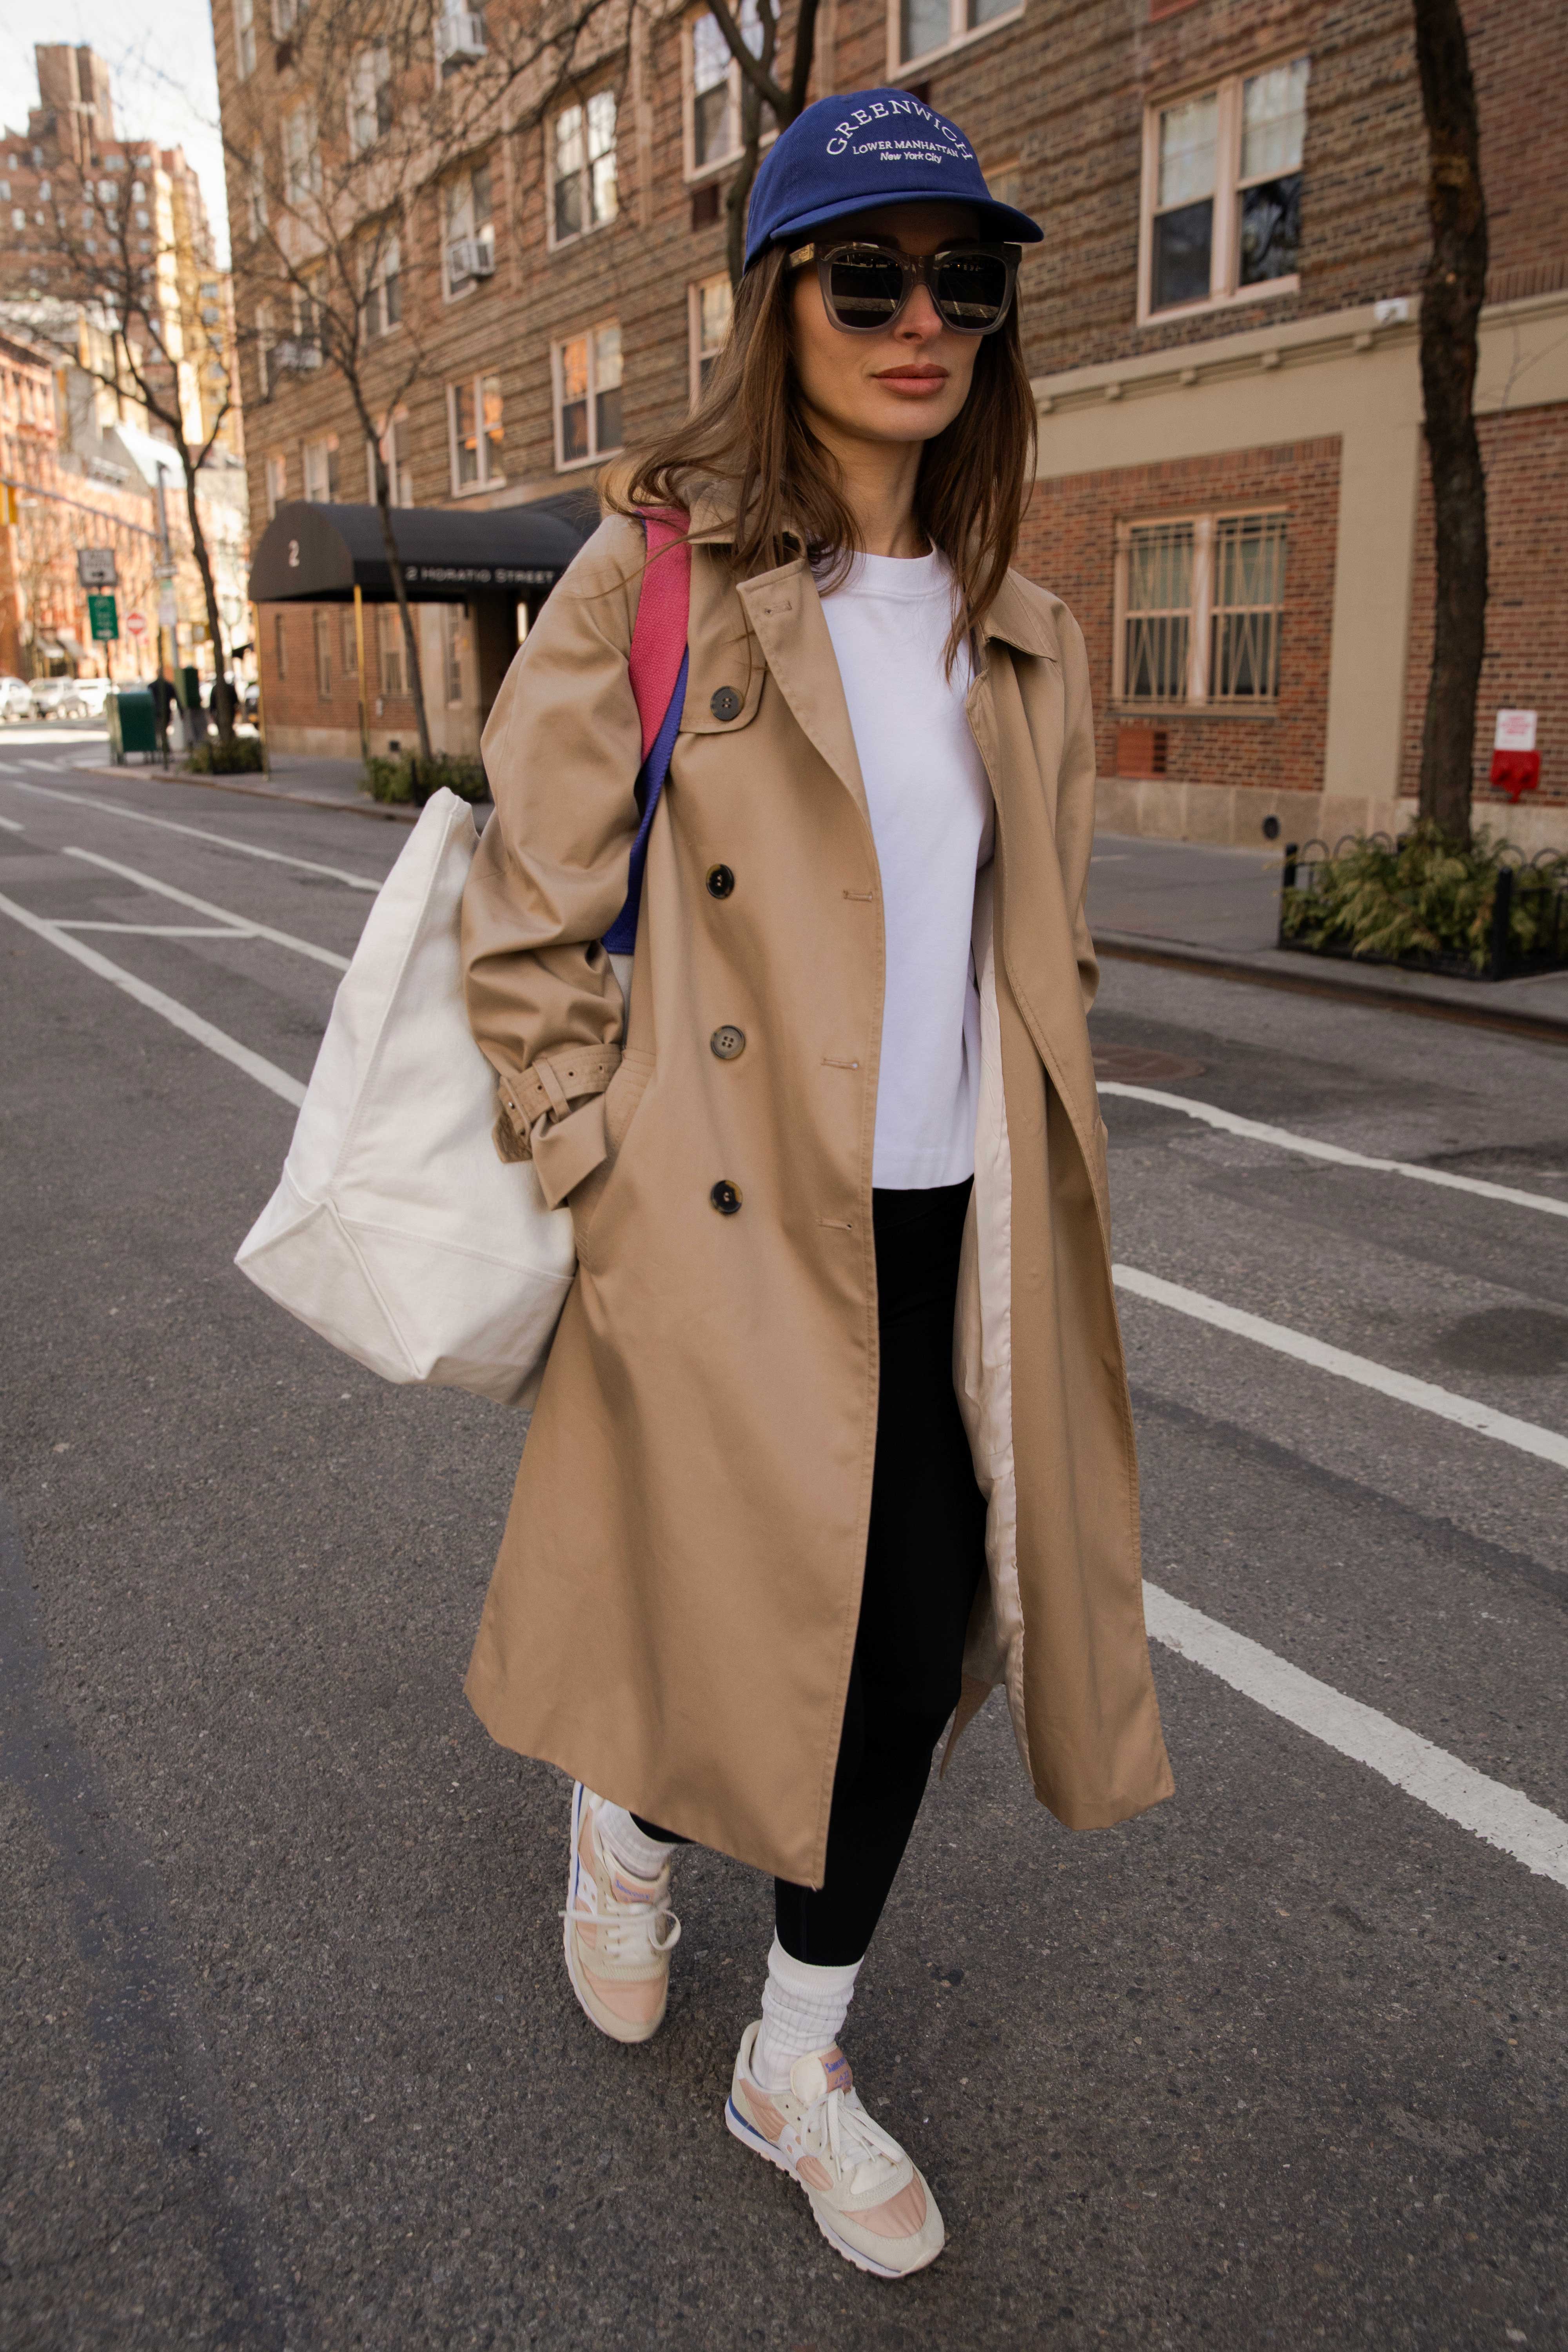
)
(452, 618)
(348, 640)
(382, 265)
(583, 173)
(923, 26)
(389, 648)
(395, 458)
(588, 396)
(370, 96)
(710, 306)
(244, 37)
(1200, 601)
(279, 648)
(1006, 182)
(713, 123)
(323, 655)
(1222, 191)
(277, 478)
(288, 16)
(321, 470)
(470, 230)
(475, 422)
(301, 156)
(255, 191)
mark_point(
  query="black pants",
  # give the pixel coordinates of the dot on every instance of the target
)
(925, 1553)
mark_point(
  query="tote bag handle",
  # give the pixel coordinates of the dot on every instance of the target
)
(657, 665)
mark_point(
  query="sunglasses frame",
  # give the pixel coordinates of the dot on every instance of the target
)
(916, 270)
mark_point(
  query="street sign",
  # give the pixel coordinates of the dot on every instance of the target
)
(168, 610)
(95, 567)
(1515, 731)
(136, 625)
(103, 619)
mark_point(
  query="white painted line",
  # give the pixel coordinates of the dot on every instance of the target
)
(195, 833)
(241, 924)
(217, 1041)
(1547, 1445)
(1309, 1145)
(1503, 1816)
(161, 931)
(12, 825)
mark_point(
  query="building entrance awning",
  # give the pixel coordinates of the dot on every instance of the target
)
(320, 555)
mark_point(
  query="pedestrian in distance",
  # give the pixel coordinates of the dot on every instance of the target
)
(834, 1436)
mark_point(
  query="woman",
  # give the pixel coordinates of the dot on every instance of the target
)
(835, 1432)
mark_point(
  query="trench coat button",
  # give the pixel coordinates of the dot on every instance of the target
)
(728, 1042)
(725, 703)
(720, 881)
(725, 1197)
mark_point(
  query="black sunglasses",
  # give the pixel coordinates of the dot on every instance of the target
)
(865, 286)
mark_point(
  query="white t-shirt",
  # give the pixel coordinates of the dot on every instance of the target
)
(933, 822)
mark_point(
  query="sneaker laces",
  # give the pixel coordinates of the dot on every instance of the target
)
(856, 2140)
(629, 1931)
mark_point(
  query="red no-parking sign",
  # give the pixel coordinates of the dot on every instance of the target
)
(136, 624)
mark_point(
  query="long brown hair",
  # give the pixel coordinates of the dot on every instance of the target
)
(749, 438)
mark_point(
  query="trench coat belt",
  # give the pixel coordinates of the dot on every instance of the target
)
(546, 1088)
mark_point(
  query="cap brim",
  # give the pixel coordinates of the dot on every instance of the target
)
(999, 222)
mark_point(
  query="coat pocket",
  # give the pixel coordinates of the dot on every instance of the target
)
(622, 1096)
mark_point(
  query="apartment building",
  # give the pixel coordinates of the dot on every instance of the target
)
(65, 184)
(1221, 326)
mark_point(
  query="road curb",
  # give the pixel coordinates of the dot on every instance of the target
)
(1271, 967)
(377, 809)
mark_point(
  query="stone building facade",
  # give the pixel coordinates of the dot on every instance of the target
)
(1221, 326)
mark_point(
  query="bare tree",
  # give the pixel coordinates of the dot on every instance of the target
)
(1451, 297)
(104, 251)
(396, 131)
(760, 88)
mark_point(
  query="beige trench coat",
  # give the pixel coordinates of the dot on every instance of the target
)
(673, 1612)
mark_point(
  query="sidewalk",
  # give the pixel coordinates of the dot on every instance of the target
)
(1200, 909)
(295, 776)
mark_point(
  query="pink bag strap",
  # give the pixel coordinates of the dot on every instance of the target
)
(658, 633)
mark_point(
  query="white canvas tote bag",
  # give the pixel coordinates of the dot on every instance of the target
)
(397, 1232)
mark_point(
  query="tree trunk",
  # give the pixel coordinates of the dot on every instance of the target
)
(786, 102)
(395, 565)
(1451, 297)
(223, 698)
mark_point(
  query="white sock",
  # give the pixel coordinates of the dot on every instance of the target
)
(644, 1856)
(804, 2009)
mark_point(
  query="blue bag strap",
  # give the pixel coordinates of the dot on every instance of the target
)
(621, 938)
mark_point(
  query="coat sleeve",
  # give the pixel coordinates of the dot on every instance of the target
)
(562, 751)
(1075, 798)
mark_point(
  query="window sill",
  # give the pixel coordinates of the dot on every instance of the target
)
(1244, 295)
(473, 490)
(579, 236)
(904, 67)
(1164, 711)
(600, 457)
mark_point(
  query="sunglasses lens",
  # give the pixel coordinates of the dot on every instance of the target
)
(971, 290)
(864, 288)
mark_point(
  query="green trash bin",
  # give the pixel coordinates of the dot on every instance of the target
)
(132, 723)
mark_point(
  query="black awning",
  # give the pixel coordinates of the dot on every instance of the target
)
(320, 554)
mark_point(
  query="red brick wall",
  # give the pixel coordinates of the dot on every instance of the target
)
(1069, 544)
(1526, 662)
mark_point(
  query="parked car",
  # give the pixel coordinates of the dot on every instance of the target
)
(87, 698)
(48, 695)
(15, 698)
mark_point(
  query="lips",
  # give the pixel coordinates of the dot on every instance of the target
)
(917, 380)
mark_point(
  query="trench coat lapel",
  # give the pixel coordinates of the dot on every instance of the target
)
(785, 614)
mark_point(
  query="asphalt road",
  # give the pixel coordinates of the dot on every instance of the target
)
(287, 2058)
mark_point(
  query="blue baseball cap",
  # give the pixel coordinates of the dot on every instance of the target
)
(875, 147)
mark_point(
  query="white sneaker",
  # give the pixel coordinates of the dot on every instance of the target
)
(871, 2200)
(620, 1932)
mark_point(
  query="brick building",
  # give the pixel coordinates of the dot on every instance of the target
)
(1221, 326)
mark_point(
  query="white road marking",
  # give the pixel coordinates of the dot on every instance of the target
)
(161, 931)
(195, 833)
(1503, 1816)
(1309, 1145)
(241, 925)
(12, 825)
(217, 1041)
(1547, 1445)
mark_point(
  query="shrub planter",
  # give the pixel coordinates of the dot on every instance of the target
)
(411, 779)
(240, 757)
(1472, 911)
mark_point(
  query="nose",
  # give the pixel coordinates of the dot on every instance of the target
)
(919, 320)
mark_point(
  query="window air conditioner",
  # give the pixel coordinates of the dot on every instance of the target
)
(470, 257)
(458, 37)
(296, 355)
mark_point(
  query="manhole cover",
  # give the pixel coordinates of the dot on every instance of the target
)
(1140, 1066)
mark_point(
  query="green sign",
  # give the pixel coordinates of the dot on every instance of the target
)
(102, 619)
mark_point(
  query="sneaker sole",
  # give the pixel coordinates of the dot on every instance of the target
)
(737, 2123)
(613, 2028)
